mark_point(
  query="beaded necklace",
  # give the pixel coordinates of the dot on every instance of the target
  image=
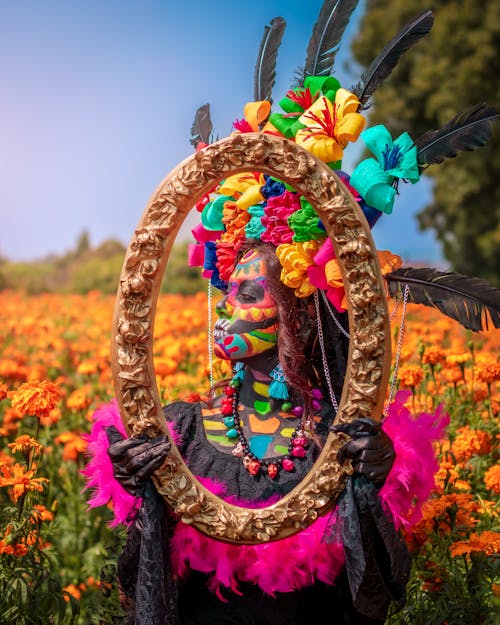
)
(299, 440)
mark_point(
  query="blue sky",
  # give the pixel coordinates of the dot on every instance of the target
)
(97, 102)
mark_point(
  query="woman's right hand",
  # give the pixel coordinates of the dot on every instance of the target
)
(134, 460)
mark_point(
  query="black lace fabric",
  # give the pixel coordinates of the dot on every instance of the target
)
(378, 562)
(152, 596)
(144, 569)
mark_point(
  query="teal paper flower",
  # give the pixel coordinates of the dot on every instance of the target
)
(373, 178)
(254, 227)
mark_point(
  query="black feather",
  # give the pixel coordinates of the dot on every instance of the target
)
(473, 302)
(265, 67)
(386, 61)
(325, 38)
(201, 130)
(467, 131)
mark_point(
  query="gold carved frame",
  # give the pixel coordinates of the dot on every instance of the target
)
(132, 343)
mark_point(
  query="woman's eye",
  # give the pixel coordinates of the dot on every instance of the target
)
(246, 298)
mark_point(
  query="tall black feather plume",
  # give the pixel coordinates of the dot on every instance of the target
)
(467, 131)
(325, 39)
(265, 67)
(473, 302)
(386, 61)
(201, 130)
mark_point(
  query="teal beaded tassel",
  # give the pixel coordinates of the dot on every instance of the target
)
(278, 388)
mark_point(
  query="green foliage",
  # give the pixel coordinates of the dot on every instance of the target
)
(85, 269)
(451, 69)
(179, 277)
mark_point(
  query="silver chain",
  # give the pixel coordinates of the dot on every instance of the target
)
(397, 359)
(333, 315)
(321, 338)
(210, 335)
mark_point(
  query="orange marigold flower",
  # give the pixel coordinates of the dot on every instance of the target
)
(452, 374)
(73, 443)
(51, 418)
(21, 481)
(3, 391)
(36, 398)
(470, 443)
(433, 356)
(492, 479)
(19, 550)
(489, 373)
(79, 399)
(40, 513)
(24, 444)
(488, 542)
(411, 376)
(72, 590)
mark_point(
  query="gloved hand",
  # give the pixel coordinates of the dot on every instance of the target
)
(371, 450)
(134, 460)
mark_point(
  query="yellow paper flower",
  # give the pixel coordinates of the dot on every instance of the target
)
(330, 127)
(235, 186)
(295, 258)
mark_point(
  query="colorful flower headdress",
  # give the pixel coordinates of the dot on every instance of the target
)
(324, 118)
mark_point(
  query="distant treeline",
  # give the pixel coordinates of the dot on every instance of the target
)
(86, 268)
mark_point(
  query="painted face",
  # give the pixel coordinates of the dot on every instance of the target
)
(248, 318)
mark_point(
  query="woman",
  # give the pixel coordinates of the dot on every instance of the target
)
(252, 445)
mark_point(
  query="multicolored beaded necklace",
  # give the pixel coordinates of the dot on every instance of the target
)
(299, 440)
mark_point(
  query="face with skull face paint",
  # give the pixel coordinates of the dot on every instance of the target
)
(248, 318)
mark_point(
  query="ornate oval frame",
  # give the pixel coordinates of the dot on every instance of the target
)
(132, 345)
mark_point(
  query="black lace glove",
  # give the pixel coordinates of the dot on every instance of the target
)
(371, 450)
(134, 460)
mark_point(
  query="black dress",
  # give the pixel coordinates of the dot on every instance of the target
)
(156, 597)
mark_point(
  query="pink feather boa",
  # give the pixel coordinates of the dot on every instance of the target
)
(296, 561)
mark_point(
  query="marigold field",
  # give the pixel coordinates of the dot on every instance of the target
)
(57, 557)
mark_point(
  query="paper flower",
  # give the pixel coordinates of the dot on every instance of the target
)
(299, 100)
(275, 219)
(373, 178)
(295, 258)
(330, 127)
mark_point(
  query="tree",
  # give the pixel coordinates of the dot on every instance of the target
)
(451, 69)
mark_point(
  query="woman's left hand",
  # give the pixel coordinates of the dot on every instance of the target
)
(371, 450)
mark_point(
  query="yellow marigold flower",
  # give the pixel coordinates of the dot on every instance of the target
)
(24, 444)
(411, 376)
(21, 481)
(470, 443)
(489, 373)
(492, 479)
(458, 359)
(87, 367)
(36, 398)
(488, 542)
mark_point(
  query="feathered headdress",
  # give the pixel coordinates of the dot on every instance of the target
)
(324, 118)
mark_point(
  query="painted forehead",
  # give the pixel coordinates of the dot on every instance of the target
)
(250, 267)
